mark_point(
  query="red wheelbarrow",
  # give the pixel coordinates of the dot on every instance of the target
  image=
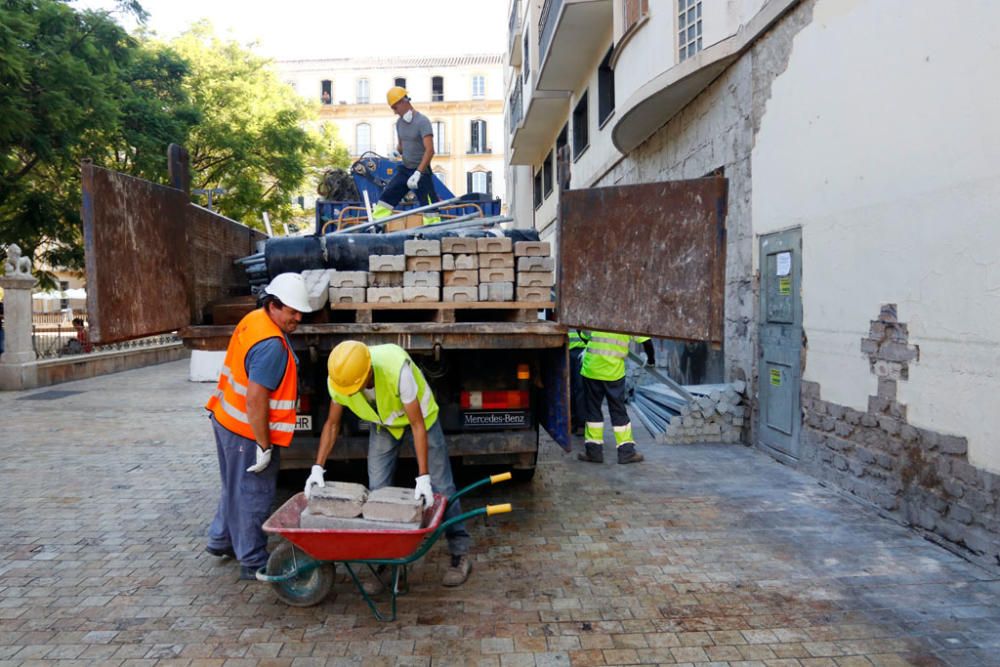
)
(301, 570)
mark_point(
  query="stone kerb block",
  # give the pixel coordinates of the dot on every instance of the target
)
(423, 263)
(421, 294)
(385, 295)
(422, 279)
(536, 263)
(349, 279)
(385, 279)
(532, 249)
(460, 278)
(496, 291)
(460, 293)
(458, 246)
(534, 279)
(338, 499)
(533, 293)
(494, 244)
(318, 521)
(387, 263)
(347, 295)
(393, 503)
(496, 260)
(317, 286)
(416, 248)
(496, 275)
(459, 262)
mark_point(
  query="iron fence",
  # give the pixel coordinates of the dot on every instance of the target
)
(61, 341)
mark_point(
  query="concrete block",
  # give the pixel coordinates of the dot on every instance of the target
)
(318, 521)
(393, 503)
(447, 262)
(385, 279)
(422, 279)
(387, 262)
(338, 499)
(496, 275)
(423, 263)
(347, 294)
(536, 279)
(385, 295)
(415, 248)
(532, 249)
(421, 294)
(317, 286)
(465, 262)
(349, 279)
(460, 278)
(459, 293)
(533, 294)
(458, 246)
(536, 263)
(496, 291)
(494, 244)
(496, 260)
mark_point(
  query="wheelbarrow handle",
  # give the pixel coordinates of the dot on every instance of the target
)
(492, 479)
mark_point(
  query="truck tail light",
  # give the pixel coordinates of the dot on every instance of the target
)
(494, 400)
(523, 372)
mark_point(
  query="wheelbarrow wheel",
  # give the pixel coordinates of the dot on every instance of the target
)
(306, 589)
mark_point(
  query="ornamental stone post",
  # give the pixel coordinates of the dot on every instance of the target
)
(17, 285)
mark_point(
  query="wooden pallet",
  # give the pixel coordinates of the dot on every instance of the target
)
(439, 311)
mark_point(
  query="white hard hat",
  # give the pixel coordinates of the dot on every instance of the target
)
(290, 288)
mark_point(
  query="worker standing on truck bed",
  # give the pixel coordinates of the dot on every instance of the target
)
(381, 385)
(253, 416)
(603, 371)
(416, 145)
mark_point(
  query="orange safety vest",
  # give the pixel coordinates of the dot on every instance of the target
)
(229, 401)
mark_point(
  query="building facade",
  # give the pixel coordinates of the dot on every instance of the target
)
(461, 95)
(861, 283)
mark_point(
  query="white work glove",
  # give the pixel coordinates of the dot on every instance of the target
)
(263, 460)
(423, 490)
(413, 180)
(315, 479)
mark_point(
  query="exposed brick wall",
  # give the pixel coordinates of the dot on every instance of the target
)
(919, 476)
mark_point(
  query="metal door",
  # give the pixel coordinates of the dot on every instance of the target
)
(779, 365)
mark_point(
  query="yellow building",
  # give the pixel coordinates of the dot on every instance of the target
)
(461, 95)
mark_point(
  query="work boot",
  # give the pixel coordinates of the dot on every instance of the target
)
(627, 454)
(248, 573)
(593, 453)
(221, 553)
(458, 571)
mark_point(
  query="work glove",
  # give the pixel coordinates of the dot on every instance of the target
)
(315, 479)
(263, 460)
(395, 156)
(423, 490)
(413, 180)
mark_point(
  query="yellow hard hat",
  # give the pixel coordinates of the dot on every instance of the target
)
(348, 366)
(395, 94)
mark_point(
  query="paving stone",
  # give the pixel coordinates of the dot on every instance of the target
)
(423, 263)
(532, 249)
(454, 293)
(347, 294)
(533, 294)
(422, 279)
(417, 294)
(535, 279)
(349, 279)
(458, 245)
(393, 503)
(385, 295)
(494, 244)
(536, 264)
(496, 260)
(338, 499)
(496, 291)
(317, 286)
(422, 248)
(460, 278)
(385, 279)
(387, 263)
(496, 275)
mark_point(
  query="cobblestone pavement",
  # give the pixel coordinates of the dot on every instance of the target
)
(702, 555)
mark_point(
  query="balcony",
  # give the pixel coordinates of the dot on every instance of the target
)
(572, 34)
(514, 105)
(514, 34)
(545, 112)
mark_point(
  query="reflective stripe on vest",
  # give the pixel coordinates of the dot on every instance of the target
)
(604, 358)
(387, 362)
(228, 403)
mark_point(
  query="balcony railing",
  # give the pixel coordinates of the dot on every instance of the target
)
(516, 110)
(547, 26)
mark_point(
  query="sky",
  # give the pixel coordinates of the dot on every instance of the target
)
(304, 29)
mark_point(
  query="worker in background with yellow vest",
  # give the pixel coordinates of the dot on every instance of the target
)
(381, 385)
(253, 417)
(416, 146)
(577, 344)
(603, 371)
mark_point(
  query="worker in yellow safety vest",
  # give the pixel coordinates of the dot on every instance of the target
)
(603, 371)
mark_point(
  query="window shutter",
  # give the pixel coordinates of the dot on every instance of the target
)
(468, 181)
(474, 136)
(489, 183)
(482, 139)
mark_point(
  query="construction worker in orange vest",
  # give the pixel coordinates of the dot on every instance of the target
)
(253, 416)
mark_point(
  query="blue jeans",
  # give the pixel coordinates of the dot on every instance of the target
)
(245, 502)
(396, 189)
(383, 452)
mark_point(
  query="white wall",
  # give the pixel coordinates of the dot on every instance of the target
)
(881, 140)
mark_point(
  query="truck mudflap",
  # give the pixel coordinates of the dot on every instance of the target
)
(553, 412)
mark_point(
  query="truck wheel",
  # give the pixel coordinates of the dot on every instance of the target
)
(305, 590)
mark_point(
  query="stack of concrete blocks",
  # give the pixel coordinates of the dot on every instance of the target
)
(422, 275)
(536, 270)
(496, 268)
(348, 286)
(317, 286)
(385, 278)
(346, 506)
(459, 269)
(716, 414)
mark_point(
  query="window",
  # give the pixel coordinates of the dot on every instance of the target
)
(537, 189)
(440, 147)
(63, 302)
(480, 181)
(525, 60)
(688, 28)
(547, 175)
(400, 81)
(362, 138)
(633, 11)
(477, 134)
(362, 91)
(478, 87)
(437, 89)
(326, 91)
(605, 89)
(563, 159)
(581, 138)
